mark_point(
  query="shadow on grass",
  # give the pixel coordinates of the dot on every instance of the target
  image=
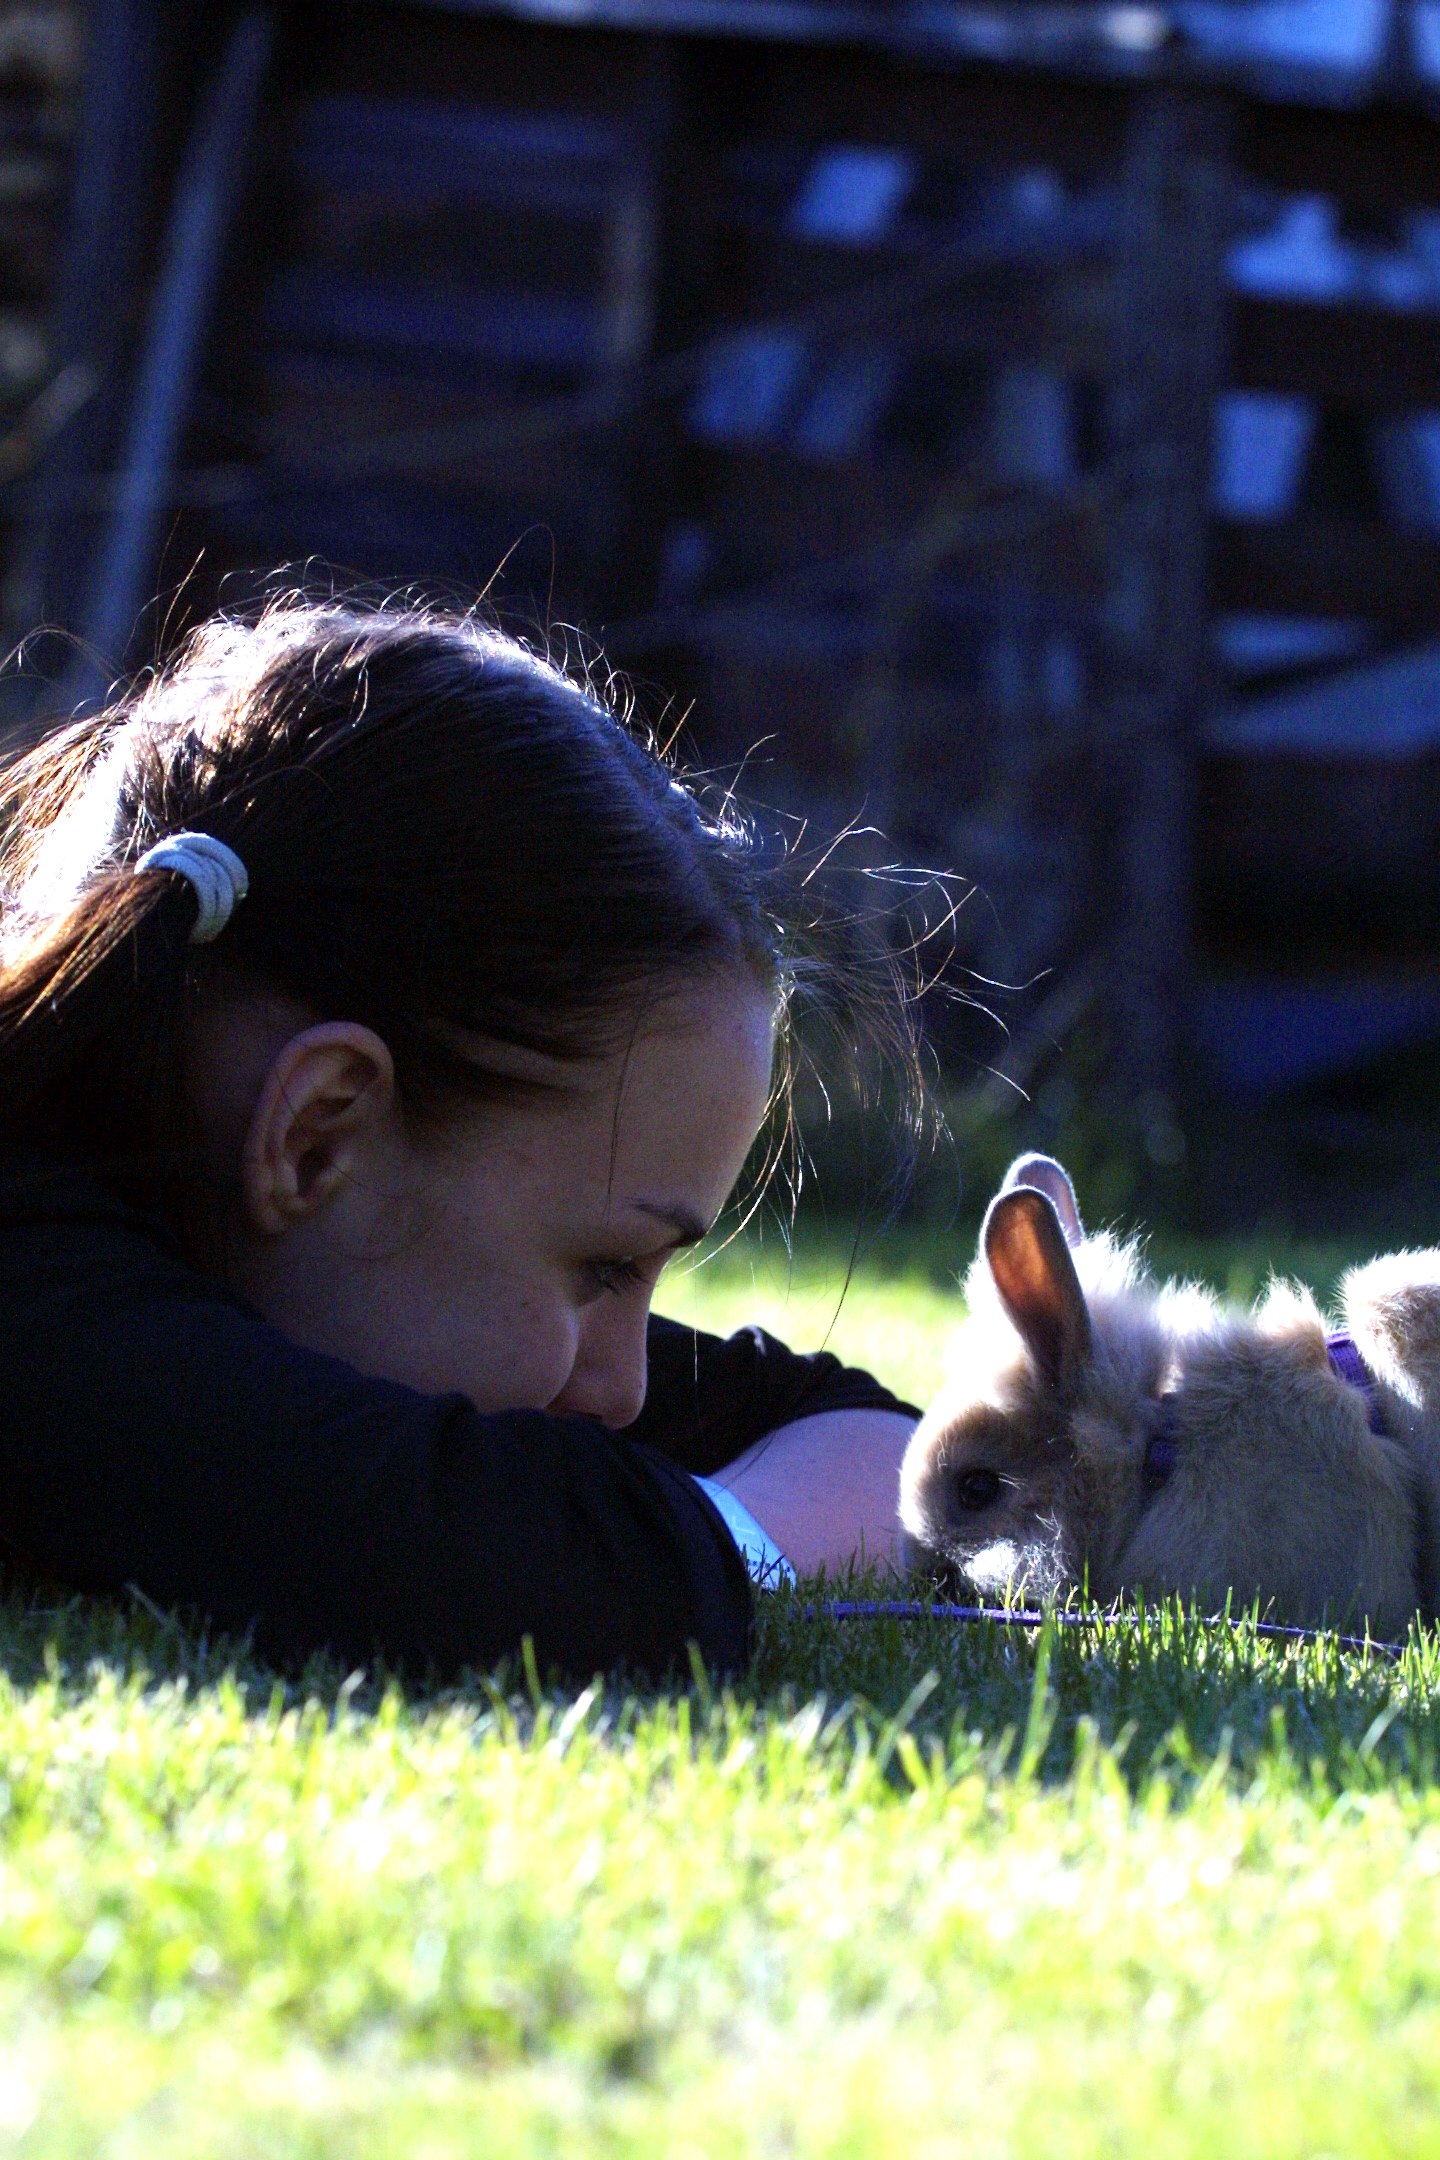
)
(1163, 1687)
(1161, 1690)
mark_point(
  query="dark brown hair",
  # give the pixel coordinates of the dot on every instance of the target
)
(448, 839)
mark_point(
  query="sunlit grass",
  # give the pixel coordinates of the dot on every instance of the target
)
(894, 1320)
(1157, 1887)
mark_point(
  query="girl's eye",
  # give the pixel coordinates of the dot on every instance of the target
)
(614, 1275)
(976, 1489)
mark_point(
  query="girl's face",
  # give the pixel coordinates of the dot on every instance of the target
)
(515, 1262)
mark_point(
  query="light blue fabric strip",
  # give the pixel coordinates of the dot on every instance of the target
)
(762, 1556)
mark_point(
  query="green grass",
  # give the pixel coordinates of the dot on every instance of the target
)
(1153, 1887)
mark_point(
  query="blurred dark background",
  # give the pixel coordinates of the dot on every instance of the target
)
(1013, 423)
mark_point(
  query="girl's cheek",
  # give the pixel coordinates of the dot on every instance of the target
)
(506, 1335)
(536, 1350)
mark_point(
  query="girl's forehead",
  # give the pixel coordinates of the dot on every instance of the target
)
(710, 1052)
(671, 1120)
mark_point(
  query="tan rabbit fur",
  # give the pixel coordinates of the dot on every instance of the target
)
(1031, 1467)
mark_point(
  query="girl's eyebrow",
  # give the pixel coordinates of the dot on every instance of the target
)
(688, 1227)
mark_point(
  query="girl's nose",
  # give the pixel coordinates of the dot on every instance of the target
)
(609, 1375)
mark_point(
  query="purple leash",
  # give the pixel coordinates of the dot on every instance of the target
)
(1026, 1617)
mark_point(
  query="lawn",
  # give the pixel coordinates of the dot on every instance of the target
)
(1140, 1886)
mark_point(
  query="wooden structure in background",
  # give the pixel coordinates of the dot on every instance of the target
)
(46, 394)
(981, 407)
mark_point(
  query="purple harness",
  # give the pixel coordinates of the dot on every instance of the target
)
(1162, 1448)
(1347, 1363)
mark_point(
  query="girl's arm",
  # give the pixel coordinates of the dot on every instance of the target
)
(810, 1447)
(826, 1488)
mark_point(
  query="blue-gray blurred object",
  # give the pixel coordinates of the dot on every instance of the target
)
(206, 190)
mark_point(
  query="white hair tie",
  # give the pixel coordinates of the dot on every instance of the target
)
(215, 871)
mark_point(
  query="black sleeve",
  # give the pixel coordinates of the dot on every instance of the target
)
(155, 1431)
(710, 1397)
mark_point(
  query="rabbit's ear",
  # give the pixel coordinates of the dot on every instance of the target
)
(1030, 1262)
(1046, 1175)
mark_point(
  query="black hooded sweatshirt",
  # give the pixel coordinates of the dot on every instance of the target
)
(156, 1432)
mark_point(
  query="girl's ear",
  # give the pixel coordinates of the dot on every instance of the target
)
(1046, 1175)
(1029, 1260)
(326, 1095)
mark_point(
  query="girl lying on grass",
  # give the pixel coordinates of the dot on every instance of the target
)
(378, 1015)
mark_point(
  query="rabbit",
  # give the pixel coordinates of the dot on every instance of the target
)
(1098, 1428)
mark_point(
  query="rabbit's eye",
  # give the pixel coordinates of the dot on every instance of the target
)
(976, 1489)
